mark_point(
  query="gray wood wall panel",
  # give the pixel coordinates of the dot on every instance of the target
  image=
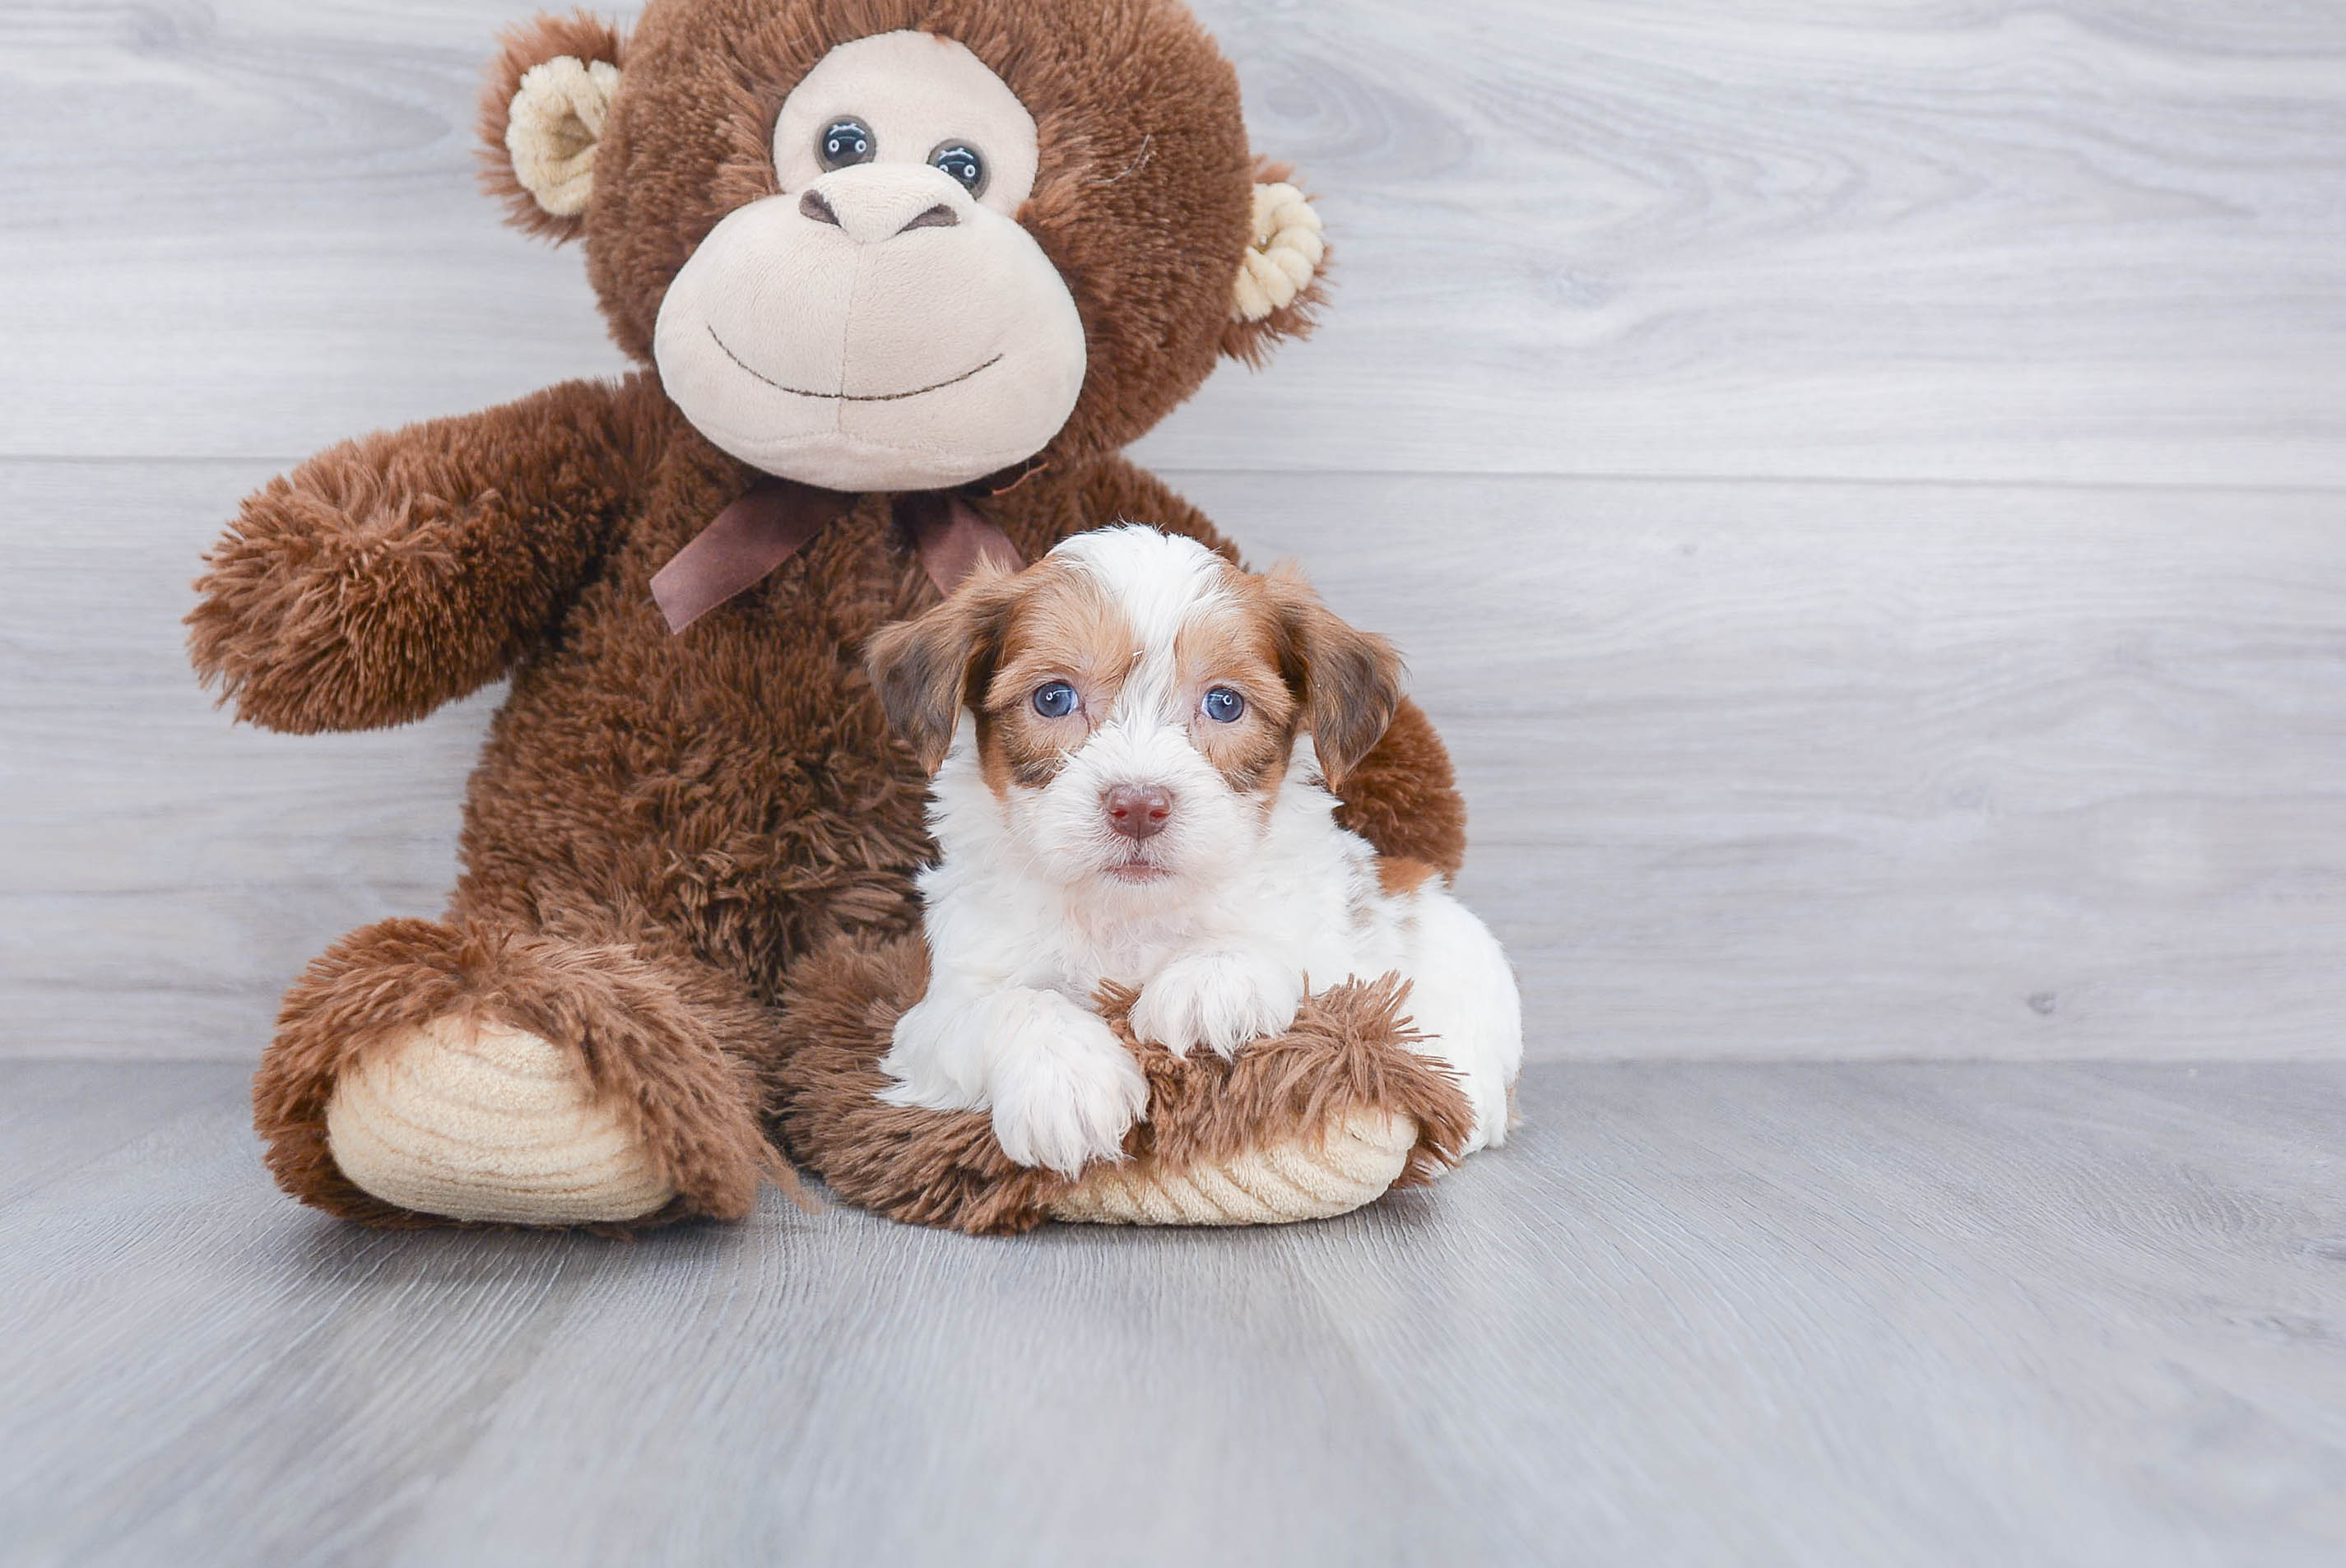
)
(1948, 238)
(1955, 661)
(1774, 769)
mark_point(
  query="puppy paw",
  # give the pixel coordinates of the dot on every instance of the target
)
(1066, 1090)
(1220, 1000)
(936, 1057)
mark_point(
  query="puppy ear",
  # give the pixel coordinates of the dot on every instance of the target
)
(542, 114)
(927, 669)
(1281, 277)
(1348, 680)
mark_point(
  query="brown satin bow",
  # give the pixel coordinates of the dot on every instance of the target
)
(774, 518)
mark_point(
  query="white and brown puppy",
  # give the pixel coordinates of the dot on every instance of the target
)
(1131, 741)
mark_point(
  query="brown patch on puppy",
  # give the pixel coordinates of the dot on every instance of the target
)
(1063, 626)
(1398, 875)
(1238, 645)
(1002, 637)
(1348, 680)
(988, 648)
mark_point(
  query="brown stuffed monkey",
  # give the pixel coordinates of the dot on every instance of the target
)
(903, 277)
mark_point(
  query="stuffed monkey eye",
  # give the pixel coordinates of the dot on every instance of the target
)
(845, 141)
(963, 162)
(1223, 706)
(1055, 700)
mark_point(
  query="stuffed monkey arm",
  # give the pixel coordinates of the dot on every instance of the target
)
(402, 570)
(1402, 797)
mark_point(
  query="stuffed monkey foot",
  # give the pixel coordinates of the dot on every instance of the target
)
(1355, 1160)
(424, 1073)
(469, 1119)
(1309, 1124)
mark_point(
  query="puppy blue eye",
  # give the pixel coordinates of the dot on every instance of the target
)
(1054, 700)
(1223, 706)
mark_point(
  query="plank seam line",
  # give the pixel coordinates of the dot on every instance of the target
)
(279, 463)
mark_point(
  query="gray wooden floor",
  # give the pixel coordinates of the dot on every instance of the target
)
(1874, 1315)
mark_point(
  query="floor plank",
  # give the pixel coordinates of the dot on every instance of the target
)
(50, 1128)
(1755, 770)
(2087, 241)
(1872, 1314)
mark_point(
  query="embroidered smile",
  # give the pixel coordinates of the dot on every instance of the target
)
(855, 397)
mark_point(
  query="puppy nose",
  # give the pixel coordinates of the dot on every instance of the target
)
(874, 202)
(1137, 810)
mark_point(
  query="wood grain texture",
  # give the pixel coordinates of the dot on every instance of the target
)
(1882, 1315)
(1757, 771)
(1759, 768)
(2096, 239)
(1785, 770)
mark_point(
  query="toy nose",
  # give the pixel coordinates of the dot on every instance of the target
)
(1137, 810)
(871, 203)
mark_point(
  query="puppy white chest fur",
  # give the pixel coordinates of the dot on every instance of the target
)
(1132, 794)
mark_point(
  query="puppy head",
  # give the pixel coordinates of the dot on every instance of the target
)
(1136, 701)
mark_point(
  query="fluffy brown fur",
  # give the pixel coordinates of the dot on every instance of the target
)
(669, 1046)
(1399, 877)
(660, 827)
(1143, 199)
(1348, 1050)
(540, 39)
(392, 573)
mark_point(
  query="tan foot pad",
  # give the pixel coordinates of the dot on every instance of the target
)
(482, 1121)
(1363, 1155)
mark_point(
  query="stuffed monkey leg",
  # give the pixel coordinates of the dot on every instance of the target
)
(425, 1072)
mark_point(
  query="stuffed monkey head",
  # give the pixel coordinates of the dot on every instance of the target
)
(907, 244)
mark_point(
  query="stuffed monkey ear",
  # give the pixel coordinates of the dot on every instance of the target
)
(1281, 277)
(542, 113)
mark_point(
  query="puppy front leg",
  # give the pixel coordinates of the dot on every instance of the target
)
(1065, 1089)
(1062, 1088)
(1218, 998)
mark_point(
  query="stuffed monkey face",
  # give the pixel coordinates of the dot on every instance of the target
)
(905, 244)
(884, 322)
